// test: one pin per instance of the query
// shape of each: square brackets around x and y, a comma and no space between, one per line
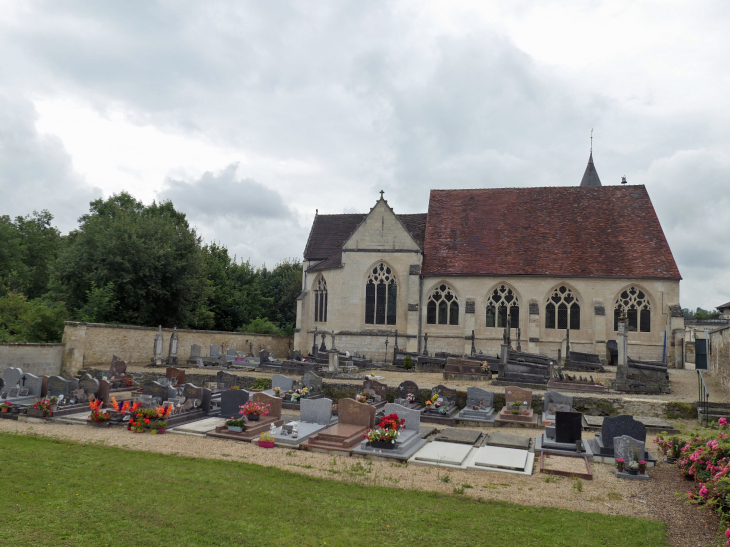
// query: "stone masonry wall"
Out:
[38,359]
[718,360]
[93,344]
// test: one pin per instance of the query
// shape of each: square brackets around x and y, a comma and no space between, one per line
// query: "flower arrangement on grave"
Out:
[675,447]
[238,423]
[642,466]
[361,397]
[485,366]
[387,431]
[252,410]
[158,427]
[411,398]
[514,408]
[149,418]
[525,408]
[299,393]
[277,391]
[233,388]
[267,437]
[407,362]
[126,407]
[45,405]
[128,381]
[662,443]
[632,466]
[96,413]
[620,464]
[5,406]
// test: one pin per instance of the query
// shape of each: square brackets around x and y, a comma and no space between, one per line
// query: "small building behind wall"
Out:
[718,358]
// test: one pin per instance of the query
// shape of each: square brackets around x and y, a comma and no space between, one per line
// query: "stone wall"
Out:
[38,359]
[94,344]
[718,360]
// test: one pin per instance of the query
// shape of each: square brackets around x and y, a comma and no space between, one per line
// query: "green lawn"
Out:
[59,493]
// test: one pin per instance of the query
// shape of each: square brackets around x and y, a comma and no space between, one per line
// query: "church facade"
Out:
[551,259]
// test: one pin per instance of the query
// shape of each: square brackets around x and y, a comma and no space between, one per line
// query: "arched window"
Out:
[562,310]
[638,310]
[502,302]
[381,295]
[320,300]
[442,307]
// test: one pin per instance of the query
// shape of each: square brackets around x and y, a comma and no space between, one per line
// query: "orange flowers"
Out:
[164,412]
[115,404]
[96,405]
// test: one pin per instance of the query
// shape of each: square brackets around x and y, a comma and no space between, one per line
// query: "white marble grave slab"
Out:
[503,460]
[441,454]
[201,427]
[79,418]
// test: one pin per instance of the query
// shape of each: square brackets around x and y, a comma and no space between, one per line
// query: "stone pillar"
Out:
[567,344]
[533,327]
[469,325]
[503,355]
[623,350]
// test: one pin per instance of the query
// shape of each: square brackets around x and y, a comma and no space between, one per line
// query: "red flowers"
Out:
[392,422]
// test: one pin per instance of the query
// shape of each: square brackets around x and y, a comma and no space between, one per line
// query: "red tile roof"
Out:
[609,231]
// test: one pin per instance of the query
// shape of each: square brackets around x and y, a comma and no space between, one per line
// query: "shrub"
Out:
[407,362]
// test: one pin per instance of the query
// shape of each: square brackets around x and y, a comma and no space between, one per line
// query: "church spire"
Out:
[590,177]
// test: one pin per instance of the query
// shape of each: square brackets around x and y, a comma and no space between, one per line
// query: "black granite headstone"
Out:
[616,426]
[568,427]
[231,402]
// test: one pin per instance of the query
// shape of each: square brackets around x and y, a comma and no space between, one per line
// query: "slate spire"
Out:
[590,177]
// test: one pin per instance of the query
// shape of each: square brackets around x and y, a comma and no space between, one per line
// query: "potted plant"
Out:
[675,449]
[253,411]
[158,427]
[387,432]
[97,418]
[148,418]
[5,406]
[632,467]
[620,464]
[642,467]
[277,391]
[361,397]
[514,408]
[236,425]
[334,410]
[663,444]
[43,408]
[266,440]
[411,398]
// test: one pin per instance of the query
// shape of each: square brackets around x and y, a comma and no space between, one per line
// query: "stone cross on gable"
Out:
[381,194]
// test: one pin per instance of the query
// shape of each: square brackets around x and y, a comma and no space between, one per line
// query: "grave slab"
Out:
[201,427]
[460,436]
[508,440]
[440,454]
[500,459]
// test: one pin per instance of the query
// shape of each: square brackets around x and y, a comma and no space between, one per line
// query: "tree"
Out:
[146,261]
[40,244]
[283,285]
[13,271]
[30,321]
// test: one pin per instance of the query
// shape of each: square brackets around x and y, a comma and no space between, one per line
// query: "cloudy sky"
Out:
[249,116]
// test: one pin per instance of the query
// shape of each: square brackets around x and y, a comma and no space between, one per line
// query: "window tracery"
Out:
[442,307]
[381,296]
[637,307]
[502,302]
[562,310]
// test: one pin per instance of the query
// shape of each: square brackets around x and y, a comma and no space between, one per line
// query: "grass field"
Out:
[59,493]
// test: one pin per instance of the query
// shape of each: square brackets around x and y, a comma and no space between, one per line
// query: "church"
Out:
[550,258]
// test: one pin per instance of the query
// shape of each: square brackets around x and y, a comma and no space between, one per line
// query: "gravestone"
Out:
[231,402]
[513,394]
[625,447]
[33,384]
[158,347]
[263,356]
[618,426]
[103,393]
[557,402]
[404,389]
[412,417]
[12,376]
[172,350]
[215,351]
[312,382]
[89,385]
[283,382]
[231,352]
[195,351]
[274,402]
[226,380]
[354,413]
[568,427]
[481,398]
[175,375]
[316,411]
[60,386]
[447,393]
[155,389]
[117,368]
[376,389]
[192,392]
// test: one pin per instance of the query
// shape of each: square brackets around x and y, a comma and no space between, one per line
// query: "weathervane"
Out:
[591,140]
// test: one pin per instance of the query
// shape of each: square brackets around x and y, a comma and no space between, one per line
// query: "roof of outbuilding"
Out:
[608,231]
[723,306]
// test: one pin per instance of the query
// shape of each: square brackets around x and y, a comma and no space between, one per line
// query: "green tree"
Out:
[704,314]
[149,255]
[261,326]
[40,243]
[282,286]
[30,321]
[13,271]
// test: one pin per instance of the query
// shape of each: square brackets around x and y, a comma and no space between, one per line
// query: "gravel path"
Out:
[605,494]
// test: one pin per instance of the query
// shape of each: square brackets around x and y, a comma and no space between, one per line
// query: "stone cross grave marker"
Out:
[412,417]
[175,375]
[316,411]
[557,402]
[476,396]
[625,447]
[352,412]
[407,388]
[284,382]
[616,426]
[312,382]
[376,389]
[568,427]
[226,380]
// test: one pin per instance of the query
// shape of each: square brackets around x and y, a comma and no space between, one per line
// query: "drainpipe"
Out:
[420,311]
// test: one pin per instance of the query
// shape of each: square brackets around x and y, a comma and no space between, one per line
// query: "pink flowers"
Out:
[722,422]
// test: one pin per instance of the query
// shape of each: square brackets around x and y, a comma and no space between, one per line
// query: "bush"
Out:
[407,362]
[30,321]
[261,326]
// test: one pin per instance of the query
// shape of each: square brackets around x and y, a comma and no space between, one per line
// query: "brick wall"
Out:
[94,344]
[38,359]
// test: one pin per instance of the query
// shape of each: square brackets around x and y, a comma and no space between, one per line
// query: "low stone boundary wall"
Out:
[38,359]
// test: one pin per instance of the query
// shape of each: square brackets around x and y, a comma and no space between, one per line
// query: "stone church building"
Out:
[551,258]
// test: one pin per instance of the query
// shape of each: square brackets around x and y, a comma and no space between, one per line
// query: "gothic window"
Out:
[381,295]
[562,310]
[501,303]
[442,307]
[320,300]
[638,310]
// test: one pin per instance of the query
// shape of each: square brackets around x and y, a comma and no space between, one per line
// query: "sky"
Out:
[250,116]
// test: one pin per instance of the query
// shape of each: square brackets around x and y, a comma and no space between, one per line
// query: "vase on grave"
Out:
[382,445]
[253,417]
[235,429]
[266,444]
